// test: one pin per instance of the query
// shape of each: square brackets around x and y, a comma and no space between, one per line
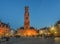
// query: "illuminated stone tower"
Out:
[26,18]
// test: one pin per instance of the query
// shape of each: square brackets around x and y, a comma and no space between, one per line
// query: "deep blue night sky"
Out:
[42,12]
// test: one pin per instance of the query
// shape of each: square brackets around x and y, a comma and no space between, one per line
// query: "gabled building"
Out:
[44,32]
[4,29]
[56,29]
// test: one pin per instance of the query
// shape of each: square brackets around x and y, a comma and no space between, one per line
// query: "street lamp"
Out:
[41,31]
[52,28]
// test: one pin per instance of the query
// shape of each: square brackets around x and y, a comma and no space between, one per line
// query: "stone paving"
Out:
[29,41]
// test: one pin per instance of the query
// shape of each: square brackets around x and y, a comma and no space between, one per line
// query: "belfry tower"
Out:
[26,18]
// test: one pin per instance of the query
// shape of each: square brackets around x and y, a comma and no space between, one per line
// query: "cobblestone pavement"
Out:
[30,41]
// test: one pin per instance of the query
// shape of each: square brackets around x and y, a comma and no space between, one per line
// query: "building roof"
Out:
[23,28]
[58,22]
[4,24]
[45,28]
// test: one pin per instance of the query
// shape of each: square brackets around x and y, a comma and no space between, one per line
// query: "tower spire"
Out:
[27,3]
[26,18]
